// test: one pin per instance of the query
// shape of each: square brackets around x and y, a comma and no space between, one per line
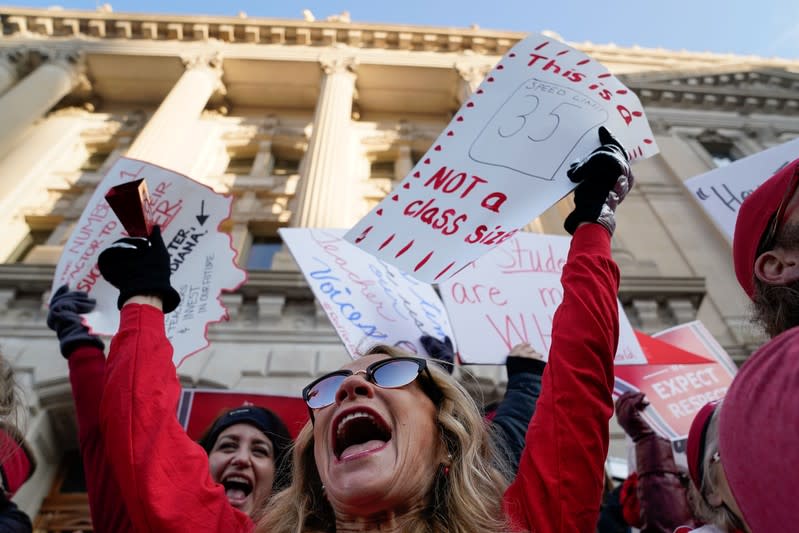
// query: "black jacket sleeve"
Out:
[12,520]
[517,407]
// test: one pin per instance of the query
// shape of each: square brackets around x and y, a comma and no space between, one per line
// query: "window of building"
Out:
[722,151]
[262,252]
[241,165]
[26,247]
[96,158]
[382,169]
[286,165]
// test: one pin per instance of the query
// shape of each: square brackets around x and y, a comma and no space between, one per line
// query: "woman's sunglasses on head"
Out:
[391,373]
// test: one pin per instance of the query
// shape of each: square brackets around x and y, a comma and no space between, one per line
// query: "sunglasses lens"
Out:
[324,392]
[396,373]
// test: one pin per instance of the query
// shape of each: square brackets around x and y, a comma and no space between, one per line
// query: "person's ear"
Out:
[778,266]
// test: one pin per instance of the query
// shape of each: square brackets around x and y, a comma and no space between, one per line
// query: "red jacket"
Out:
[561,473]
[164,476]
[86,369]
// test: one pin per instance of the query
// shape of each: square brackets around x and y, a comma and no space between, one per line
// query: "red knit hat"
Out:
[695,449]
[18,462]
[753,219]
[759,435]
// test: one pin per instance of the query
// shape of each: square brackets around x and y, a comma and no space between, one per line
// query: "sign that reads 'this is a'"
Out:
[502,160]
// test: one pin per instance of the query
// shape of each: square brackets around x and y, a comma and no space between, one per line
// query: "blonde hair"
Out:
[718,515]
[466,500]
[9,406]
[10,394]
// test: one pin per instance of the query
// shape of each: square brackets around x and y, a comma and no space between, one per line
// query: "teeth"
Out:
[237,479]
[352,416]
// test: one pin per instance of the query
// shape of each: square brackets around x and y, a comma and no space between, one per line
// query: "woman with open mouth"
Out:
[247,451]
[246,447]
[394,444]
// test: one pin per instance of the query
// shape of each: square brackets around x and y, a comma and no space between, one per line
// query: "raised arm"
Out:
[662,496]
[84,354]
[162,473]
[525,369]
[559,484]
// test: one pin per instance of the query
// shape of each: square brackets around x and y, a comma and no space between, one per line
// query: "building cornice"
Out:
[742,88]
[44,23]
[103,25]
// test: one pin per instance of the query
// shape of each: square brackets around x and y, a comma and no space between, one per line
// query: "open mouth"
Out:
[359,431]
[237,488]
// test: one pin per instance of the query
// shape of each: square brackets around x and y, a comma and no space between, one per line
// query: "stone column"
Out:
[264,161]
[325,193]
[404,162]
[9,68]
[31,98]
[166,138]
[31,169]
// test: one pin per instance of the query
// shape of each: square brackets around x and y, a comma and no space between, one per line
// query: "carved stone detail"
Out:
[471,74]
[338,64]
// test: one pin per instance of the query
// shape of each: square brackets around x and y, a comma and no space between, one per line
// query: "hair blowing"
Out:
[9,401]
[8,390]
[467,500]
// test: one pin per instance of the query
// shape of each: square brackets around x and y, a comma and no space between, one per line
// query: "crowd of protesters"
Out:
[395,443]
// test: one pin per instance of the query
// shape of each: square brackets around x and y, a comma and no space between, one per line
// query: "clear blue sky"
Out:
[764,27]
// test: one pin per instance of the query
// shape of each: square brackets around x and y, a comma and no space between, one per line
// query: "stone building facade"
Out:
[310,123]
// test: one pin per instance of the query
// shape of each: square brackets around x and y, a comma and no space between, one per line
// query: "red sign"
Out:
[683,374]
[658,351]
[675,392]
[198,408]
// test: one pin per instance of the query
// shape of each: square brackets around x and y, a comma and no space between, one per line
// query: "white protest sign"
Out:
[510,295]
[368,301]
[721,191]
[202,258]
[502,160]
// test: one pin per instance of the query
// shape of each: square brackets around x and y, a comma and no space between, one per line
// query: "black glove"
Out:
[139,266]
[628,413]
[64,318]
[606,179]
[440,351]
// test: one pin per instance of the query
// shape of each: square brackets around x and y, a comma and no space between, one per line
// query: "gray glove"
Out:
[606,179]
[64,318]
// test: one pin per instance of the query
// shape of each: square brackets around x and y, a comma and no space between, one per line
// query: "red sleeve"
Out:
[86,368]
[162,473]
[559,484]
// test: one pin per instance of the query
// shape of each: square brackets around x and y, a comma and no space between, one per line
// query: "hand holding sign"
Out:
[628,412]
[139,266]
[605,179]
[525,351]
